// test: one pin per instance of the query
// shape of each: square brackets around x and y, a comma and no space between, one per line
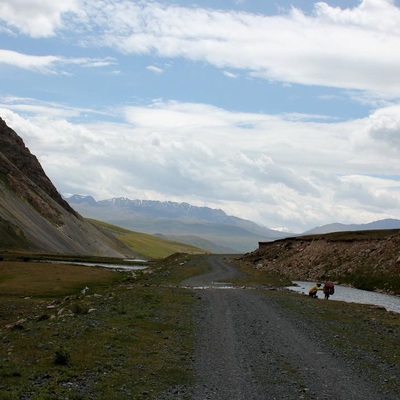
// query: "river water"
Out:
[116,267]
[351,295]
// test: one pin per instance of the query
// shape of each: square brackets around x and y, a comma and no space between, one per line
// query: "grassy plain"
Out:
[48,280]
[131,335]
[148,246]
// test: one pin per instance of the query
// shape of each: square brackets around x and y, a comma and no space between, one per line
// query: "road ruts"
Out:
[247,348]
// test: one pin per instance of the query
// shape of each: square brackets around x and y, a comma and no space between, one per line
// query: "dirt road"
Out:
[248,347]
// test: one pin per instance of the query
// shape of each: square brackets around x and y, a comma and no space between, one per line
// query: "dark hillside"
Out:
[33,215]
[26,164]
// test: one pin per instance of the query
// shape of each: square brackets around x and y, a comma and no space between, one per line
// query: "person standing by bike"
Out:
[329,289]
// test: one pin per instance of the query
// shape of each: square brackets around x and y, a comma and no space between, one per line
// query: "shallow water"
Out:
[351,295]
[117,267]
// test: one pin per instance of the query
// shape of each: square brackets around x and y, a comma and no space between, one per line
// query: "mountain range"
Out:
[383,224]
[210,229]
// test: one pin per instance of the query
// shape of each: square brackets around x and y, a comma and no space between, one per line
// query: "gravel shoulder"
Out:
[249,347]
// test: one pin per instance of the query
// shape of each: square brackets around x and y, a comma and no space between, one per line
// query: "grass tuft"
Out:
[62,357]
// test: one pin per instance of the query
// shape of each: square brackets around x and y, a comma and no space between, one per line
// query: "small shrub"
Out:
[121,309]
[62,357]
[43,317]
[79,308]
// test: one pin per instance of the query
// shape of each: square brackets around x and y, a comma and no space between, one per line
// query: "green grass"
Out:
[135,343]
[255,277]
[132,337]
[364,278]
[44,279]
[135,354]
[148,246]
[178,267]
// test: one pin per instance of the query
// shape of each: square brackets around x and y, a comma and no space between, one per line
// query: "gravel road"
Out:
[248,347]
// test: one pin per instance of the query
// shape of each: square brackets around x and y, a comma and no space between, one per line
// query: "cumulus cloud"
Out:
[384,128]
[351,48]
[376,15]
[36,18]
[295,173]
[293,169]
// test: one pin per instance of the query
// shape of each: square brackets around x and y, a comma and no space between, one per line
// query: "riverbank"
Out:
[352,295]
[138,335]
[368,260]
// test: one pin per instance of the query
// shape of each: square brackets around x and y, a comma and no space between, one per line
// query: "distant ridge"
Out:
[211,228]
[383,224]
[155,208]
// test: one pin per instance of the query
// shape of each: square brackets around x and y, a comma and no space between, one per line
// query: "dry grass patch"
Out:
[45,279]
[26,287]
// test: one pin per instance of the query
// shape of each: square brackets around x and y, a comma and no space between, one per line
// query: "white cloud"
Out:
[294,169]
[384,128]
[155,69]
[279,172]
[32,107]
[36,63]
[352,48]
[230,74]
[36,18]
[377,15]
[49,64]
[91,62]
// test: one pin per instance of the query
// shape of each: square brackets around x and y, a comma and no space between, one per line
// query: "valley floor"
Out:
[195,327]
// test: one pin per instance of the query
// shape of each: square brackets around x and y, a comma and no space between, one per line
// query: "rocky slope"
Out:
[34,216]
[364,259]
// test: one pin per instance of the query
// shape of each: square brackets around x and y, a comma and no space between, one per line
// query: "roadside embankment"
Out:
[367,260]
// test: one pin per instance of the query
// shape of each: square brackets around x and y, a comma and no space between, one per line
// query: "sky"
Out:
[286,113]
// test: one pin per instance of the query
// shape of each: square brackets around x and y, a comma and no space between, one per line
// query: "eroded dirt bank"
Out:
[367,260]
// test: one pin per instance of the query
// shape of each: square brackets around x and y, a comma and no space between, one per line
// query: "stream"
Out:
[116,267]
[352,295]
